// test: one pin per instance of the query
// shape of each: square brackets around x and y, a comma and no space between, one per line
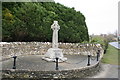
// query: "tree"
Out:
[31,21]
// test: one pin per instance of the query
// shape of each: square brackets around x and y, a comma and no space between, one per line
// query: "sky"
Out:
[101,15]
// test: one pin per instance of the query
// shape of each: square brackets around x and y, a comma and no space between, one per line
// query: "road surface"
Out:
[108,71]
[115,44]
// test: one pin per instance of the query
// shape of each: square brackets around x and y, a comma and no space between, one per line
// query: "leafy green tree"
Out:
[32,21]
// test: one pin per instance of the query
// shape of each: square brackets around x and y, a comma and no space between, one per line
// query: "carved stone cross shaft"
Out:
[55,27]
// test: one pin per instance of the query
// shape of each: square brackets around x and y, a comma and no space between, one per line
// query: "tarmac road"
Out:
[108,71]
[115,44]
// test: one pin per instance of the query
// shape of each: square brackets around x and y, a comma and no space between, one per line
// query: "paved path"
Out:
[35,62]
[108,71]
[115,44]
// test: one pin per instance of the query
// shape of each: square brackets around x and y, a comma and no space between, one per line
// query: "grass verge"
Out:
[111,56]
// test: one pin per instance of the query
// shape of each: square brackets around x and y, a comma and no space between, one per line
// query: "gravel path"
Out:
[35,62]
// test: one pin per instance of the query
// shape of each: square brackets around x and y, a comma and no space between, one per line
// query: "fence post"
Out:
[98,55]
[88,60]
[14,64]
[57,63]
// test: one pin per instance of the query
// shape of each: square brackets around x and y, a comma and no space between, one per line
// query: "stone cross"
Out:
[54,52]
[55,27]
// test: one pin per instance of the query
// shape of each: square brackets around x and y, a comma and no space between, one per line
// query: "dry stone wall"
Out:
[40,48]
[60,74]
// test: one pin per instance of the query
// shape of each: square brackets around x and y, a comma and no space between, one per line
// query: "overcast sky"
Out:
[101,15]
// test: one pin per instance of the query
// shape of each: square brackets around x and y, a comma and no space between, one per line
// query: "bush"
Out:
[100,40]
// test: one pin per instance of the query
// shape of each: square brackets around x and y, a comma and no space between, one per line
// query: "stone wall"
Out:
[22,48]
[74,73]
[40,48]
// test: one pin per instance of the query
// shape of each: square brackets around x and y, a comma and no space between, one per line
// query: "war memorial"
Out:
[50,59]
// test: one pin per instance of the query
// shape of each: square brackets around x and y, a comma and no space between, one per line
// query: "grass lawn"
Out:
[111,56]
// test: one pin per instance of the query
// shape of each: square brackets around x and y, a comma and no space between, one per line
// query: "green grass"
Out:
[111,56]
